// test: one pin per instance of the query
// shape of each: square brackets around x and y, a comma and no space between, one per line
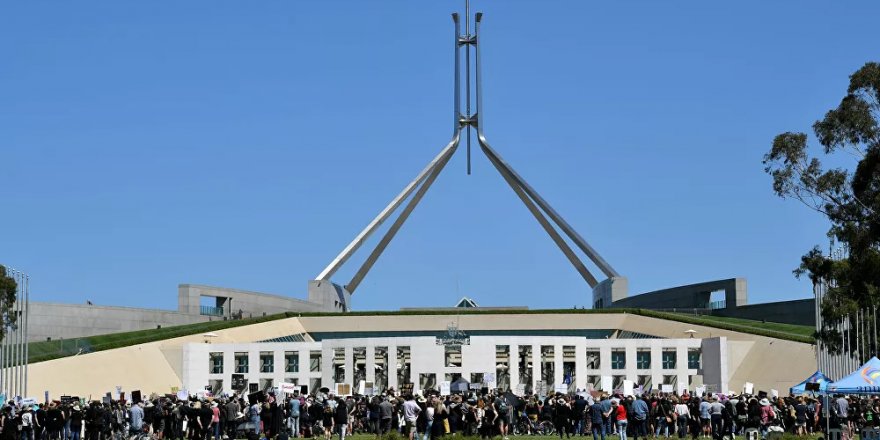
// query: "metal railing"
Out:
[211,311]
[716,305]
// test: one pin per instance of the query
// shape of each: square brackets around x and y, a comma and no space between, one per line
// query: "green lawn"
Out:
[46,350]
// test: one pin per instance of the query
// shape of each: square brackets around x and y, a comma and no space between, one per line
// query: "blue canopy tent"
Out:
[865,380]
[817,377]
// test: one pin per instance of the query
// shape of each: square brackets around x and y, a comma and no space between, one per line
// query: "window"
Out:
[427,381]
[593,360]
[453,355]
[267,362]
[241,362]
[216,363]
[668,359]
[595,382]
[694,356]
[265,384]
[646,381]
[643,359]
[476,377]
[314,364]
[291,362]
[617,382]
[215,386]
[618,359]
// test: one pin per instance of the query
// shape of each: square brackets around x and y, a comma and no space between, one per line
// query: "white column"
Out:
[580,365]
[371,363]
[327,354]
[536,365]
[392,367]
[349,367]
[513,365]
[557,364]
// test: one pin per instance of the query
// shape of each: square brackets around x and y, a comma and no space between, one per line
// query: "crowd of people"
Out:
[430,415]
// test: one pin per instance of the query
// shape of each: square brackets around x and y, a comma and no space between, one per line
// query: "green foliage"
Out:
[849,198]
[8,288]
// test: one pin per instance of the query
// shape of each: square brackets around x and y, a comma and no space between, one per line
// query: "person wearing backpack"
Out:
[502,408]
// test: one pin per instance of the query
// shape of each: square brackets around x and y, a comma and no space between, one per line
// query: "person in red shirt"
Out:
[621,418]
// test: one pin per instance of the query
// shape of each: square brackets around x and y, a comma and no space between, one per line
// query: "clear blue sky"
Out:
[243,144]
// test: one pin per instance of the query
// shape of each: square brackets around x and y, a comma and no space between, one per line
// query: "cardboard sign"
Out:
[666,388]
[118,393]
[369,389]
[136,397]
[628,387]
[774,393]
[607,384]
[406,389]
[561,389]
[748,388]
[700,391]
[183,395]
[343,389]
[239,382]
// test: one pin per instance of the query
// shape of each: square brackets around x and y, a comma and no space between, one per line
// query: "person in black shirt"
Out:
[340,418]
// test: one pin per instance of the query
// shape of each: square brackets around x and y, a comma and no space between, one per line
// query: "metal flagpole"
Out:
[27,313]
[3,355]
[17,366]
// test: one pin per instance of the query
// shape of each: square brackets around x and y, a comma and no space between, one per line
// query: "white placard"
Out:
[748,388]
[362,387]
[445,388]
[666,388]
[520,389]
[700,391]
[287,388]
[183,395]
[561,389]
[489,380]
[628,387]
[369,389]
[607,384]
[774,393]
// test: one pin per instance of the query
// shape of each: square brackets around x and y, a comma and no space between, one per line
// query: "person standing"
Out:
[716,415]
[620,415]
[597,419]
[340,418]
[386,412]
[411,412]
[640,418]
[293,420]
[682,418]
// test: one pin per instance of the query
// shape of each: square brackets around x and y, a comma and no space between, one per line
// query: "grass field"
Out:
[46,350]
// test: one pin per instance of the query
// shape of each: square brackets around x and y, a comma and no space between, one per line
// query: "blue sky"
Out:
[243,144]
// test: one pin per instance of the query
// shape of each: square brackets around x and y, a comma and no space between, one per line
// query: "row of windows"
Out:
[267,362]
[291,360]
[668,360]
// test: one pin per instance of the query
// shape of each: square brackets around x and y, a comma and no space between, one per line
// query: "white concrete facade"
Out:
[480,357]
